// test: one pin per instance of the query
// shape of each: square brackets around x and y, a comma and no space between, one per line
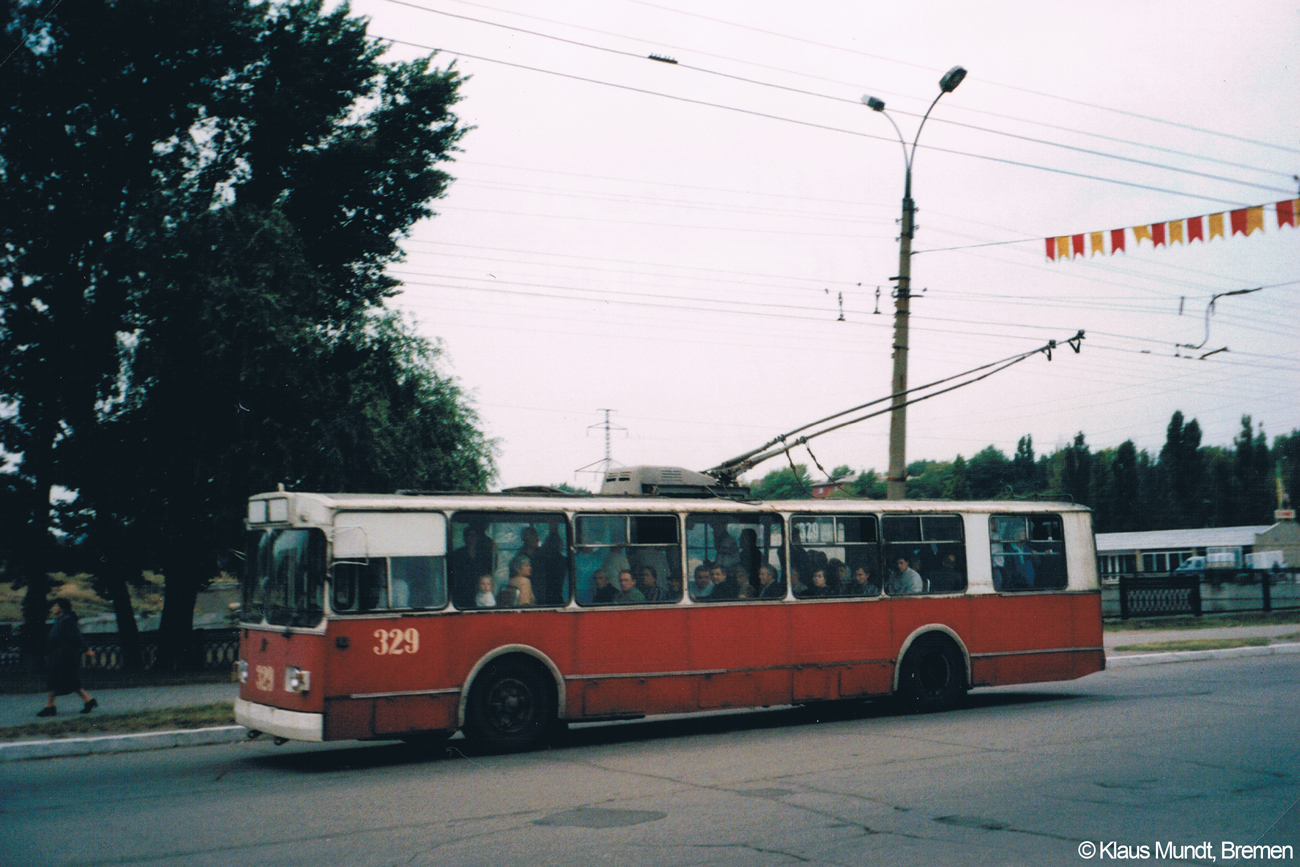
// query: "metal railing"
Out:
[211,649]
[1211,591]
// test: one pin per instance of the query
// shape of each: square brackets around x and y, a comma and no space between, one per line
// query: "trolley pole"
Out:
[896,481]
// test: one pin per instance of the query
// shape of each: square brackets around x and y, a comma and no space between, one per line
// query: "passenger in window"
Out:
[744,587]
[674,587]
[750,557]
[485,598]
[628,593]
[615,561]
[799,559]
[945,578]
[728,547]
[518,591]
[837,575]
[702,586]
[769,585]
[860,584]
[554,558]
[474,557]
[606,593]
[905,580]
[650,588]
[725,585]
[817,587]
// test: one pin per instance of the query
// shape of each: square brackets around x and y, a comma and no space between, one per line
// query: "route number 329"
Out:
[394,642]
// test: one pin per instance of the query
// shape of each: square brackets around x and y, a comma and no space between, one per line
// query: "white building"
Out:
[1164,550]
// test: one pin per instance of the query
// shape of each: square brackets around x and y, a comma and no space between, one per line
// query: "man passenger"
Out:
[769,587]
[905,580]
[628,593]
[702,586]
[605,594]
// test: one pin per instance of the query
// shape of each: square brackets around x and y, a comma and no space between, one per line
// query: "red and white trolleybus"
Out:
[406,616]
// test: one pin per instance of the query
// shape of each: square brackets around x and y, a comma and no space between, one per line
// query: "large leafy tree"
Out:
[206,197]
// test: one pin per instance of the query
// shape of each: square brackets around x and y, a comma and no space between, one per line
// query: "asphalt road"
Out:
[1199,752]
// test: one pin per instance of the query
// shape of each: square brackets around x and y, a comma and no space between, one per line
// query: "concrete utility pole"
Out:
[896,481]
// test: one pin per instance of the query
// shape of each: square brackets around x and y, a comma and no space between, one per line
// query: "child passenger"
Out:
[485,599]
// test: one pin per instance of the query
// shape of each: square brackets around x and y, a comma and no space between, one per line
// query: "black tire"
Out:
[511,707]
[932,677]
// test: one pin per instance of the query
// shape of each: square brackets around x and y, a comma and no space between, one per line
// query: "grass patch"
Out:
[1209,621]
[1194,644]
[76,725]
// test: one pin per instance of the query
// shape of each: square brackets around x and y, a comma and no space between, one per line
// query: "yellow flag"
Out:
[1096,244]
[1175,231]
[1063,247]
[1140,232]
[1216,225]
[1254,219]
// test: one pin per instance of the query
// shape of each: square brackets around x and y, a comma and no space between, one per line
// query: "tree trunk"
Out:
[128,631]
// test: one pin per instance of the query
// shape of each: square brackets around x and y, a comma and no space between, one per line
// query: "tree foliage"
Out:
[1186,485]
[201,200]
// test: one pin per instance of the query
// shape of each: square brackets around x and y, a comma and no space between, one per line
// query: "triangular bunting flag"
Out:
[1286,213]
[1216,226]
[1096,244]
[1140,232]
[1157,234]
[1195,229]
[1175,231]
[1116,241]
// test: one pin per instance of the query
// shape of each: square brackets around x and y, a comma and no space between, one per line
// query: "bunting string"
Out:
[1204,228]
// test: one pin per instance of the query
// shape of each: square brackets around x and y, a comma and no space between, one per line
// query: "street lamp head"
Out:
[872,103]
[951,79]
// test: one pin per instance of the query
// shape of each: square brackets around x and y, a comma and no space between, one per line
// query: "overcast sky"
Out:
[672,242]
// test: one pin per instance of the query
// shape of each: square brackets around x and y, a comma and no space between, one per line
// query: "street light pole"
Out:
[896,481]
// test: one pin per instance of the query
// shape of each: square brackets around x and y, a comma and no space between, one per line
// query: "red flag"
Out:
[1239,221]
[1157,234]
[1286,213]
[1116,240]
[1195,229]
[1051,248]
[1077,247]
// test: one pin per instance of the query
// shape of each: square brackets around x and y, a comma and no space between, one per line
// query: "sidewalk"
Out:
[21,709]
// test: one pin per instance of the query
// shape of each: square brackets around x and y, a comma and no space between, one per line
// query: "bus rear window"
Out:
[1028,552]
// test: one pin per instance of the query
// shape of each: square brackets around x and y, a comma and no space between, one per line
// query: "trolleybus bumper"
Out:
[277,722]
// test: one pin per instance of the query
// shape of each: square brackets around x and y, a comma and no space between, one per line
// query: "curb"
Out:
[1136,659]
[22,750]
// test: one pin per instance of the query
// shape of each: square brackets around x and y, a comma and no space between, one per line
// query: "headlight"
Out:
[296,679]
[243,670]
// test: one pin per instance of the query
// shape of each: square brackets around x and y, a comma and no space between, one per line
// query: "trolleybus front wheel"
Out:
[510,707]
[933,676]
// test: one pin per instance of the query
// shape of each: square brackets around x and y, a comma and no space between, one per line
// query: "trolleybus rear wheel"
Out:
[510,707]
[933,676]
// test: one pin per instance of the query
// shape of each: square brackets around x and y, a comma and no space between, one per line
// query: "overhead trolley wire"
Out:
[636,56]
[812,124]
[1043,94]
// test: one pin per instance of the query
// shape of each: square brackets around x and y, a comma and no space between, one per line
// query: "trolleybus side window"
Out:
[923,554]
[509,559]
[1028,552]
[733,547]
[844,550]
[646,546]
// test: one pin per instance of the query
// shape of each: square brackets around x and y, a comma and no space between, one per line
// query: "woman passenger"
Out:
[818,586]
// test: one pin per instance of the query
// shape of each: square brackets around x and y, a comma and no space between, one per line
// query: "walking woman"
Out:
[63,663]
